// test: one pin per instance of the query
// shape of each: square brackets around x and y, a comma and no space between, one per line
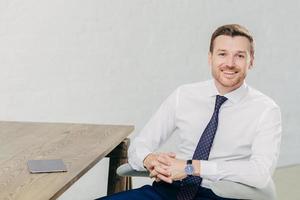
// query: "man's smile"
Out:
[229,73]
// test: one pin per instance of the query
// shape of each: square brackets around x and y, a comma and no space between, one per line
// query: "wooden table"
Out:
[80,146]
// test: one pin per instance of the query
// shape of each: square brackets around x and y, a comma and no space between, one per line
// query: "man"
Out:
[227,130]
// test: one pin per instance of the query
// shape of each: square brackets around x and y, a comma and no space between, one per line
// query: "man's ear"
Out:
[251,62]
[209,59]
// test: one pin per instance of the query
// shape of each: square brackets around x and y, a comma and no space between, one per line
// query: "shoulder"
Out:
[192,92]
[195,87]
[261,99]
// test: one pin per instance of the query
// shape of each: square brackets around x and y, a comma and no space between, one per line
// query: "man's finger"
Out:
[163,159]
[165,179]
[150,161]
[171,154]
[153,173]
[162,170]
[157,179]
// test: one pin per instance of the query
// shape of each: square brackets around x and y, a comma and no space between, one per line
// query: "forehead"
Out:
[236,43]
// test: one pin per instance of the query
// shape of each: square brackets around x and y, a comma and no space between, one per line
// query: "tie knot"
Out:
[219,101]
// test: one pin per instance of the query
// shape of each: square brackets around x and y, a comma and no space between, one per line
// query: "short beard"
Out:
[230,83]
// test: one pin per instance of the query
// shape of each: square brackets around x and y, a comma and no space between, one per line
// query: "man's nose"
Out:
[230,61]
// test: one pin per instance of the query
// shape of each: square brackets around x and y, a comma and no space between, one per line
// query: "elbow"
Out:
[261,180]
[262,174]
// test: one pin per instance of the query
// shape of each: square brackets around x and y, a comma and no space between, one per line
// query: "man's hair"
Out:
[232,30]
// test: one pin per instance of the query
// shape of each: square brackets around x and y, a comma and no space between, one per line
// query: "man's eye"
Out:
[221,54]
[241,56]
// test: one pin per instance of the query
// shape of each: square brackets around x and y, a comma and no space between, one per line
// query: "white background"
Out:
[114,62]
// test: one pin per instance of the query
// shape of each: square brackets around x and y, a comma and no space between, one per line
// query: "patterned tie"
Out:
[191,184]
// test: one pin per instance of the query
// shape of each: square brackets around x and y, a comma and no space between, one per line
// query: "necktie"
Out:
[191,184]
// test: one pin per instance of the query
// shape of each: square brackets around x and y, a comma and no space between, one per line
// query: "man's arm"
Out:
[156,131]
[258,170]
[255,172]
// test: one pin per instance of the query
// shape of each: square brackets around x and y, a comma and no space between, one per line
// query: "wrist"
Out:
[192,168]
[189,168]
[147,159]
[197,167]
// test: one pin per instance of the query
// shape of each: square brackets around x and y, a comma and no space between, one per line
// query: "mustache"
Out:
[230,68]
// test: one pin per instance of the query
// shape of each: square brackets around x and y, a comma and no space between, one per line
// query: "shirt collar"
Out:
[233,96]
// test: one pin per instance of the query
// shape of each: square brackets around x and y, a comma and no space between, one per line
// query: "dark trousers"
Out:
[160,191]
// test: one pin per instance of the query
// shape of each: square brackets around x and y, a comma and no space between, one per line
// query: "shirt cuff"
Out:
[137,161]
[209,170]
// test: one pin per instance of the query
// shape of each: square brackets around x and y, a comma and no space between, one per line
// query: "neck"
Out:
[224,89]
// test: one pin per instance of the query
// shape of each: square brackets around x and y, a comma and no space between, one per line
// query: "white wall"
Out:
[114,61]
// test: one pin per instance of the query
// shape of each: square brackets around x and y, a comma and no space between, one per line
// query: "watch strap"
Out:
[189,162]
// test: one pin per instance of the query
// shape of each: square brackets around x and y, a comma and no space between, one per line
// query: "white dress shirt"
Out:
[246,144]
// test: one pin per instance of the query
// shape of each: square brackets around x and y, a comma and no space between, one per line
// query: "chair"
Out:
[221,188]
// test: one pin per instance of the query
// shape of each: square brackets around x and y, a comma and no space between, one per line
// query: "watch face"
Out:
[189,169]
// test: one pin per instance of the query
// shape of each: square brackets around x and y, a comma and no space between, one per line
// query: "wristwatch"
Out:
[189,169]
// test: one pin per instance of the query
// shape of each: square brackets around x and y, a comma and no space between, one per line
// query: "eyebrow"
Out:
[245,52]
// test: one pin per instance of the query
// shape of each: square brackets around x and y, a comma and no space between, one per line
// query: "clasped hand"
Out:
[165,167]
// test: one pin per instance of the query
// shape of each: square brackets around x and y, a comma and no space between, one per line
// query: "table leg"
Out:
[118,156]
